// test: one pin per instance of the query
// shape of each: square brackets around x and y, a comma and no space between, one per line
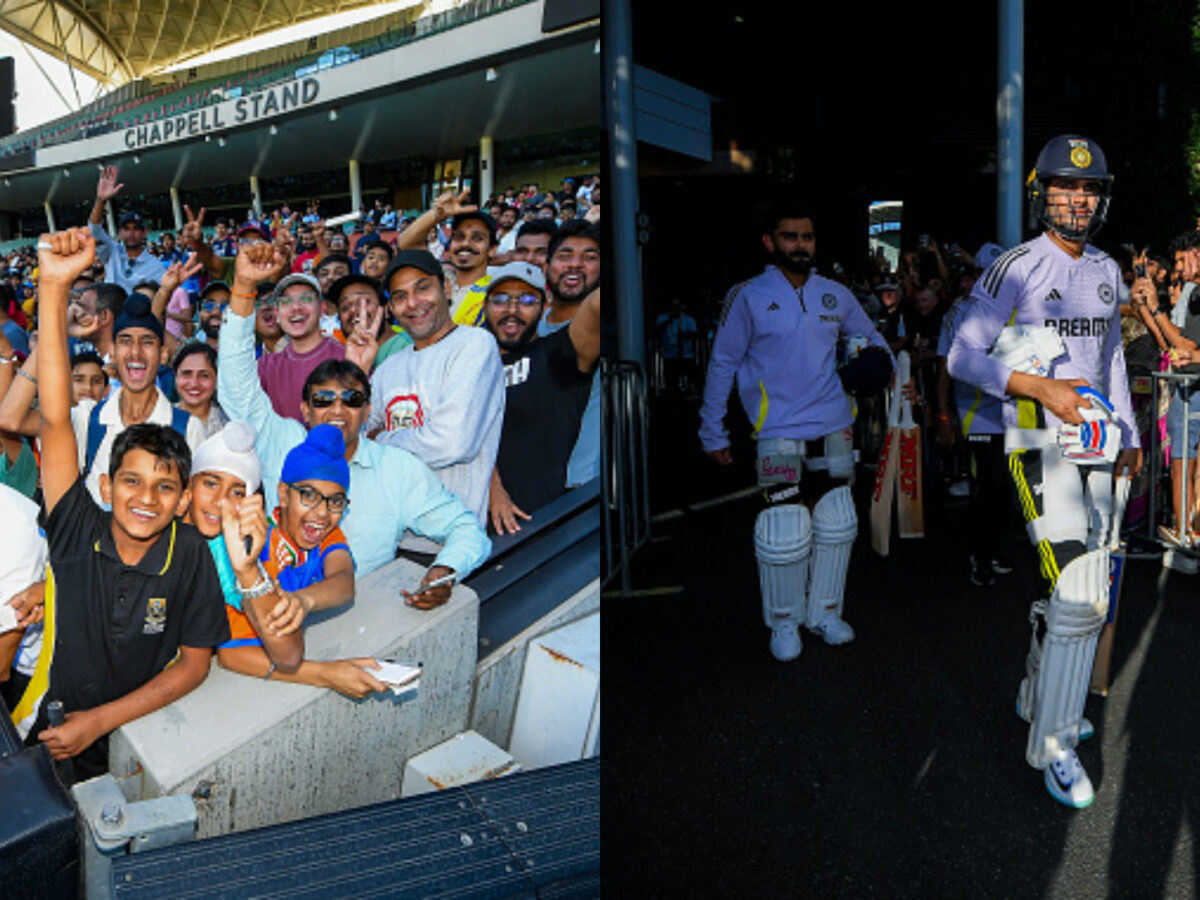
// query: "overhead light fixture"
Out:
[66,173]
[274,129]
[491,73]
[7,183]
[596,48]
[220,142]
[137,159]
[333,115]
[207,138]
[100,166]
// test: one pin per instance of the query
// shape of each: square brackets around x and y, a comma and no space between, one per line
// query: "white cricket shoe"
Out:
[834,630]
[1067,782]
[785,641]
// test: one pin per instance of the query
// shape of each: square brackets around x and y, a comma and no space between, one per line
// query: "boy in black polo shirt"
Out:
[133,606]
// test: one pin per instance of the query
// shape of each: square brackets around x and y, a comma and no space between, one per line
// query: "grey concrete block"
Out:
[498,677]
[254,752]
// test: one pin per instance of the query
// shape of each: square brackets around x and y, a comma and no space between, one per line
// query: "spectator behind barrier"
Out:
[297,302]
[304,561]
[357,297]
[195,368]
[22,587]
[126,262]
[442,399]
[18,466]
[391,492]
[472,239]
[572,274]
[548,382]
[168,596]
[533,243]
[89,381]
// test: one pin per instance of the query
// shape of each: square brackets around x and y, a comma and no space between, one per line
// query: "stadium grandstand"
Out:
[470,766]
[380,109]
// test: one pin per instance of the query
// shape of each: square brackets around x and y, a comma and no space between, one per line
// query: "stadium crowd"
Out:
[208,436]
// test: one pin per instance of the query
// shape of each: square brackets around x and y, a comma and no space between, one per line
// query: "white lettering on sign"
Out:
[260,105]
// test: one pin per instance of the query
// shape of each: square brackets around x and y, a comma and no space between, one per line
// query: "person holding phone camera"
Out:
[391,492]
[1178,334]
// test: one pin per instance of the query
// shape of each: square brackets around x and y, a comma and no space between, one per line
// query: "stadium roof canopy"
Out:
[117,41]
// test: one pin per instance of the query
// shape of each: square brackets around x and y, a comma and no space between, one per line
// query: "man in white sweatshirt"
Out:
[442,398]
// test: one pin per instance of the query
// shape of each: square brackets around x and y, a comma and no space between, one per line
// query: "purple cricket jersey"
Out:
[780,343]
[1038,283]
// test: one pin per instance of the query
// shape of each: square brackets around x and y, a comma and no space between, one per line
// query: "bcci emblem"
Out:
[1105,291]
[829,301]
[156,615]
[1081,157]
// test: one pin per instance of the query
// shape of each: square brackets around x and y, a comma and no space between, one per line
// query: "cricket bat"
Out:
[910,507]
[885,478]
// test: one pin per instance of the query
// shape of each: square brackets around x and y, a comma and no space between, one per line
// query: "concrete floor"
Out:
[890,767]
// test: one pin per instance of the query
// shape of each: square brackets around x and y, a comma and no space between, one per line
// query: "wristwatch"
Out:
[260,588]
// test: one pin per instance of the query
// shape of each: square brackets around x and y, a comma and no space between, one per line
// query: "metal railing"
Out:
[531,572]
[623,468]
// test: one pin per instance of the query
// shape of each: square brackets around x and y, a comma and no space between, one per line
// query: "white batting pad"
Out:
[834,526]
[1074,617]
[783,543]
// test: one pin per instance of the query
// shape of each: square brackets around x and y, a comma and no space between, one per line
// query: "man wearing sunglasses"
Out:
[126,262]
[391,492]
[548,382]
[297,301]
[213,301]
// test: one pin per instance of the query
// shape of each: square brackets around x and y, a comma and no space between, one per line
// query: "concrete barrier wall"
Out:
[254,752]
[498,677]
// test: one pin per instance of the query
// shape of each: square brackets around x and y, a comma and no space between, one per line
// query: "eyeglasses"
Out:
[310,498]
[211,305]
[306,299]
[526,300]
[325,398]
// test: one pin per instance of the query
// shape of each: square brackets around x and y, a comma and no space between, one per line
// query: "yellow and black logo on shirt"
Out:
[156,615]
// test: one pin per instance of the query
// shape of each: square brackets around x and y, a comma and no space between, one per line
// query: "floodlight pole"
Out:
[1010,112]
[622,207]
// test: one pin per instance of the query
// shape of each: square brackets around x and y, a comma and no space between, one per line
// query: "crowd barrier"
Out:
[624,468]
